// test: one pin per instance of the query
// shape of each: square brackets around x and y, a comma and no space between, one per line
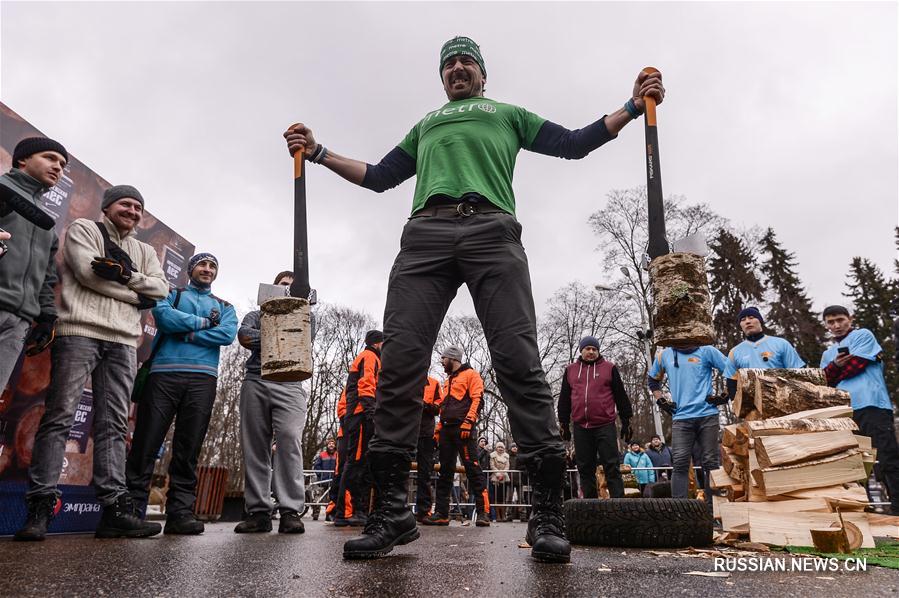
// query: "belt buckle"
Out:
[464,209]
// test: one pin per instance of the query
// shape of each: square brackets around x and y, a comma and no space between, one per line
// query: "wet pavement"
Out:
[453,561]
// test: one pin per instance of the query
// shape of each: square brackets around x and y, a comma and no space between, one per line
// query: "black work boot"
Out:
[392,522]
[120,520]
[255,523]
[291,523]
[483,519]
[184,524]
[546,527]
[40,514]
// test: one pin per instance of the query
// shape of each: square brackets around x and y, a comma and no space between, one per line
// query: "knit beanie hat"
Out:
[588,341]
[454,352]
[117,192]
[751,311]
[461,46]
[196,259]
[373,336]
[32,145]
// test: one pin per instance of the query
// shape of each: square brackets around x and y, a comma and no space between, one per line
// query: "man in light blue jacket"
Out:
[193,325]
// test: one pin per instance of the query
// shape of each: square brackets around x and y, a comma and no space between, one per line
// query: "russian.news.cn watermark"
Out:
[789,564]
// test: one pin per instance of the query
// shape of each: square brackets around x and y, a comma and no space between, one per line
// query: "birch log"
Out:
[682,308]
[286,339]
[747,397]
[776,396]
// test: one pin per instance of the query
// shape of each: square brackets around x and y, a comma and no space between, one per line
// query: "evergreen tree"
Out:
[871,295]
[734,283]
[790,314]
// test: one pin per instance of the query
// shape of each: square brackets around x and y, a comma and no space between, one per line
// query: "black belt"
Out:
[462,209]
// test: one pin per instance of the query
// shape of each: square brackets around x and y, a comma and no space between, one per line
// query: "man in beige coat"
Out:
[109,277]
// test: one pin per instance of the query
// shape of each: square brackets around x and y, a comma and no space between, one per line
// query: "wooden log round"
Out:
[681,305]
[831,541]
[286,339]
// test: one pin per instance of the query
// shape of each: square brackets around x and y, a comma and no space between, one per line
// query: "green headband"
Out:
[461,46]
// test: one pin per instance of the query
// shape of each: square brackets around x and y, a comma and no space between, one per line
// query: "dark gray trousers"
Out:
[13,330]
[878,424]
[186,398]
[601,442]
[111,368]
[437,255]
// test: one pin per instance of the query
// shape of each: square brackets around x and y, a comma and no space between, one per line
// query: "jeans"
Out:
[437,255]
[602,442]
[111,367]
[189,396]
[683,434]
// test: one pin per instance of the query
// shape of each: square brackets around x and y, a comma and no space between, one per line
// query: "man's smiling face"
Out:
[462,78]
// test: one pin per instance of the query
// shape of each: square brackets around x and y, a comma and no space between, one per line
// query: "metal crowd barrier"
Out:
[513,494]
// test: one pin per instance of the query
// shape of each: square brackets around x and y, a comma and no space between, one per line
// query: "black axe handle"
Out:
[300,286]
[658,242]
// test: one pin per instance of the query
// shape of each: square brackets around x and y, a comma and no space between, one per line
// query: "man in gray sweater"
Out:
[27,268]
[270,412]
[109,276]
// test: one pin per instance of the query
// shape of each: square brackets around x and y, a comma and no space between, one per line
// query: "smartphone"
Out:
[843,350]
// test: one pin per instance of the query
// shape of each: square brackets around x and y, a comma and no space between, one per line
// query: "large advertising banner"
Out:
[77,195]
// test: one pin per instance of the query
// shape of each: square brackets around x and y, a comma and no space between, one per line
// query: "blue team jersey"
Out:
[867,389]
[691,381]
[767,352]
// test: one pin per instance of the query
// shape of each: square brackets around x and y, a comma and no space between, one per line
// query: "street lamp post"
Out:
[644,335]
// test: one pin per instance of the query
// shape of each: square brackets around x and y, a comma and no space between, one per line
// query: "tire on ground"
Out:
[639,523]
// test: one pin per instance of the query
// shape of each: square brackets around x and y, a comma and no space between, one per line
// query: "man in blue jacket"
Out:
[757,351]
[854,363]
[693,412]
[193,325]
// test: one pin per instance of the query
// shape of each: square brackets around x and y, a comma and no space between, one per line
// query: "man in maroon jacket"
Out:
[592,393]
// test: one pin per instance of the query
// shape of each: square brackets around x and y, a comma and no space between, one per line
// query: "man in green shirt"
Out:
[463,230]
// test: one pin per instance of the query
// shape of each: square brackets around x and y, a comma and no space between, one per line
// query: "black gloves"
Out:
[10,201]
[666,405]
[717,400]
[565,431]
[626,431]
[41,335]
[109,269]
[215,318]
[145,302]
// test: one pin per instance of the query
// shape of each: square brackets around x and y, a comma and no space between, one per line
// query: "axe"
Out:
[300,286]
[658,243]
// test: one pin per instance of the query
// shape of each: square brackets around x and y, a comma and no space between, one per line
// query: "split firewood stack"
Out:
[788,472]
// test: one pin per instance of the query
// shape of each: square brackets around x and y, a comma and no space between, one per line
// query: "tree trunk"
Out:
[747,399]
[286,338]
[682,308]
[776,396]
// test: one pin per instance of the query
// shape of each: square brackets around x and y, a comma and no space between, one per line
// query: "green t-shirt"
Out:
[470,146]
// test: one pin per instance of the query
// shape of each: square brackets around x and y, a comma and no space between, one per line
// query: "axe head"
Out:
[271,291]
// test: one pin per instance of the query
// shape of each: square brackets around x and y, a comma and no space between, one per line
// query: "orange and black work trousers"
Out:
[334,490]
[437,255]
[355,479]
[452,445]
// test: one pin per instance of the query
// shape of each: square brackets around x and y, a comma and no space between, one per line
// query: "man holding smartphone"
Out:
[27,267]
[854,363]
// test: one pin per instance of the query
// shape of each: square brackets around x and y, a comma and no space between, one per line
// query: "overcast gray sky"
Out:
[777,114]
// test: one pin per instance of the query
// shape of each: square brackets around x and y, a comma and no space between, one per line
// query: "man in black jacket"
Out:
[592,393]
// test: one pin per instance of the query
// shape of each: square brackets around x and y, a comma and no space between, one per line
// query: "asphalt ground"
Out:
[447,561]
